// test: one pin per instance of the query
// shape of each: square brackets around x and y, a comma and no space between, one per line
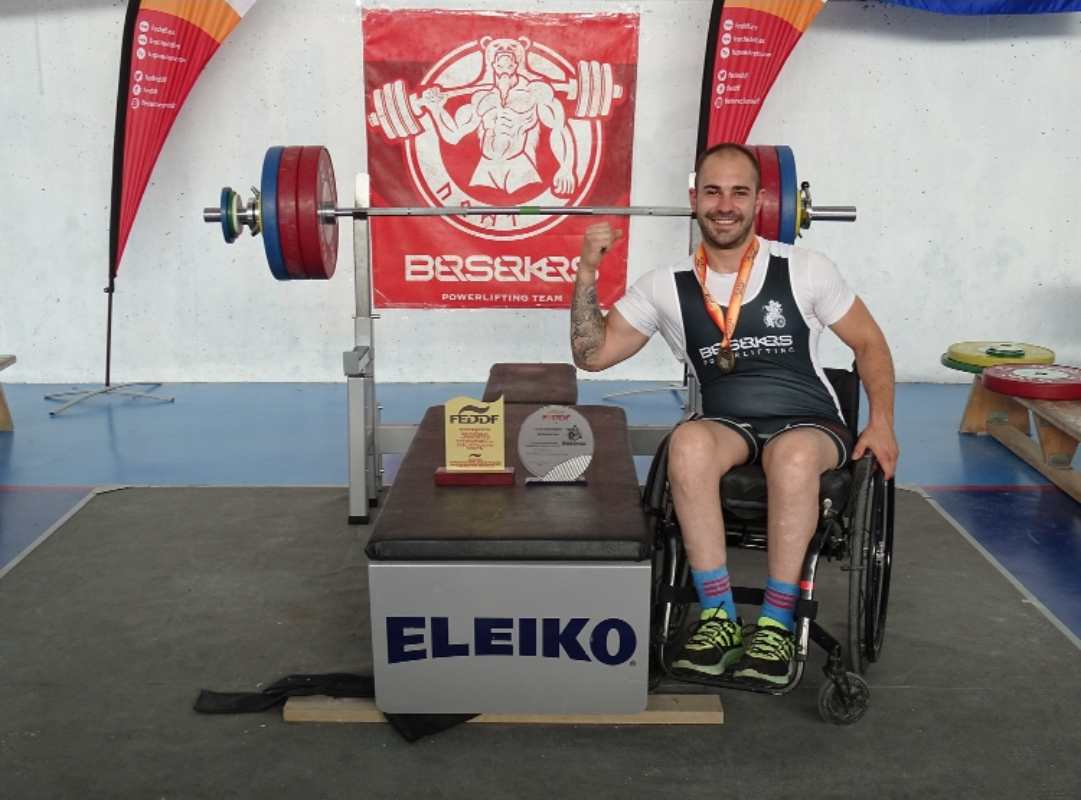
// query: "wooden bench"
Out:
[1058,430]
[6,423]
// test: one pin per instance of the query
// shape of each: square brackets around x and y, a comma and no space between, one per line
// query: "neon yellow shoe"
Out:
[770,655]
[715,645]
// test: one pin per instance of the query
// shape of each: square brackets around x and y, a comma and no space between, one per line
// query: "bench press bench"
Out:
[512,599]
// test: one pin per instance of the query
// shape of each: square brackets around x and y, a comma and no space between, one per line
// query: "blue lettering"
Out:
[598,641]
[441,645]
[397,639]
[527,637]
[565,639]
[492,636]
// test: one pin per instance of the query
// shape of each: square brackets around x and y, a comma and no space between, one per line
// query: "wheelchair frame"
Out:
[859,534]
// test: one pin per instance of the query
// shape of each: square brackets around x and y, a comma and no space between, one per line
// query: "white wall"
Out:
[958,138]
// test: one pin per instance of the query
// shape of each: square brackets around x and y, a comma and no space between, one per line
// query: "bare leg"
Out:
[699,454]
[794,462]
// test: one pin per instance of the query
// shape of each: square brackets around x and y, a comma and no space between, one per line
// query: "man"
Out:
[746,315]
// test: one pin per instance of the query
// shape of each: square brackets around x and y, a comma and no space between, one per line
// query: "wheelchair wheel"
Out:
[869,566]
[844,704]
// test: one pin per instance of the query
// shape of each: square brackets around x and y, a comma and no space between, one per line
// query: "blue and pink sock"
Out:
[780,604]
[715,590]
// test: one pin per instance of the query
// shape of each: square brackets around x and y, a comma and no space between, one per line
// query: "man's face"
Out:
[725,202]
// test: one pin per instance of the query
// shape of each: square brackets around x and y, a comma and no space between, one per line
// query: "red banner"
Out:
[496,109]
[749,42]
[168,42]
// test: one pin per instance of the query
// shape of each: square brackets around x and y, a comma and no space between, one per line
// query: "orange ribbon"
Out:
[726,321]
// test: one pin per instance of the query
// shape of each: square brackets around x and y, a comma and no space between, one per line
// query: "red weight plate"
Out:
[316,188]
[1035,381]
[768,221]
[288,233]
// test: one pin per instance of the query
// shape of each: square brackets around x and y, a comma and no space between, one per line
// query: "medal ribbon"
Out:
[726,322]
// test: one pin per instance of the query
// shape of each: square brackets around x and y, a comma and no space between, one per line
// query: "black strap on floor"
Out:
[333,684]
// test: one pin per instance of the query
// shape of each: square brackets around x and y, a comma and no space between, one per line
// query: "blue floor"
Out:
[295,435]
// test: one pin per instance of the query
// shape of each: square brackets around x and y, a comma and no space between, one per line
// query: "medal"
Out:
[726,360]
[725,319]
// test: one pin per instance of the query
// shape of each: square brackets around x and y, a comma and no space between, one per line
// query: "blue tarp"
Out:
[991,6]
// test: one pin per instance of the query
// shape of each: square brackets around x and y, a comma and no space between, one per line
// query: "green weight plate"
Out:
[960,366]
[230,206]
[988,354]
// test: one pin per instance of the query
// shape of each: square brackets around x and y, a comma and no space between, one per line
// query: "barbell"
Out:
[396,112]
[295,208]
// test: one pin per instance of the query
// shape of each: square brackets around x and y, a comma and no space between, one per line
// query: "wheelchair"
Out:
[855,527]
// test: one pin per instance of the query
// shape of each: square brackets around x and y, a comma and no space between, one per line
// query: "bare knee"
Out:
[696,454]
[793,461]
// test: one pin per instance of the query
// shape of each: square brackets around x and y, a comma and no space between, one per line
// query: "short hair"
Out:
[730,147]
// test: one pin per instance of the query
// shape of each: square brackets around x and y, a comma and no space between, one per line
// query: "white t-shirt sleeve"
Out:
[639,307]
[832,297]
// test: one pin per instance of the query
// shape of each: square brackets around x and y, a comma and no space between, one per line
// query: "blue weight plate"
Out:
[268,196]
[789,192]
[226,226]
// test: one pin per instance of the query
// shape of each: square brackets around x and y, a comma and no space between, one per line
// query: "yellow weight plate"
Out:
[988,354]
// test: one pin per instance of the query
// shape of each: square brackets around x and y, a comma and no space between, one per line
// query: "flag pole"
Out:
[72,398]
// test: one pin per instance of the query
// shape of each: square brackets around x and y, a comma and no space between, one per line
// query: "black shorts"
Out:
[758,432]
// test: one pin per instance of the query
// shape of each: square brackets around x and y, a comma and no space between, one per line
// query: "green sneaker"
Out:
[769,657]
[715,645]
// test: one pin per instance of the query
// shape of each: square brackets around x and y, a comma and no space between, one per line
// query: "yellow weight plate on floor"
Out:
[988,354]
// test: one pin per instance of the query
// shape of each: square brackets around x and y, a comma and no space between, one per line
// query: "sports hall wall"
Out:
[957,138]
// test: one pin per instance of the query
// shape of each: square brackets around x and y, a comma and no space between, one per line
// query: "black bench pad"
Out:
[602,521]
[546,384]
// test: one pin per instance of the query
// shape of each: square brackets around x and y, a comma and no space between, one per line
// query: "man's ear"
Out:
[759,201]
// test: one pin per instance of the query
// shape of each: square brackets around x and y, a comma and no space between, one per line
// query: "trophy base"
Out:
[495,477]
[542,482]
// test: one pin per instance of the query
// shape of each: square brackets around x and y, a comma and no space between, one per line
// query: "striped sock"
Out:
[780,604]
[715,590]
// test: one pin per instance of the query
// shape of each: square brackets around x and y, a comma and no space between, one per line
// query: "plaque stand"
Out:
[495,477]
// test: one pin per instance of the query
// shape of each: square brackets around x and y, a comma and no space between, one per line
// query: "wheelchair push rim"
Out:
[869,568]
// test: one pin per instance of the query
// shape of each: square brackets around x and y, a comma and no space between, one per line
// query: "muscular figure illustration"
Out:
[507,111]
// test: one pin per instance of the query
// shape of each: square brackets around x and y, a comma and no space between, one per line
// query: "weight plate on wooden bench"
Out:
[958,365]
[988,354]
[1035,381]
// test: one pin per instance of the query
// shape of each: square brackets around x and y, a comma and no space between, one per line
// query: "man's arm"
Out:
[858,329]
[598,341]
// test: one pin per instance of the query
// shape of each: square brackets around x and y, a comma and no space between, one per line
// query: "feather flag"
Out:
[166,45]
[991,6]
[748,43]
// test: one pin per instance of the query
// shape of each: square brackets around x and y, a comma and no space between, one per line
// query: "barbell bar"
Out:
[297,197]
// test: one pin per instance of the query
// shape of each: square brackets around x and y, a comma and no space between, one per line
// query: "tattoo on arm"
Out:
[587,324]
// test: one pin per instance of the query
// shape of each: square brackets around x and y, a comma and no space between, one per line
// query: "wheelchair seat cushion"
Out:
[743,489]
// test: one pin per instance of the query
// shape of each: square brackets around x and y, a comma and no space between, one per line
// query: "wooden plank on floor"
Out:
[662,709]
